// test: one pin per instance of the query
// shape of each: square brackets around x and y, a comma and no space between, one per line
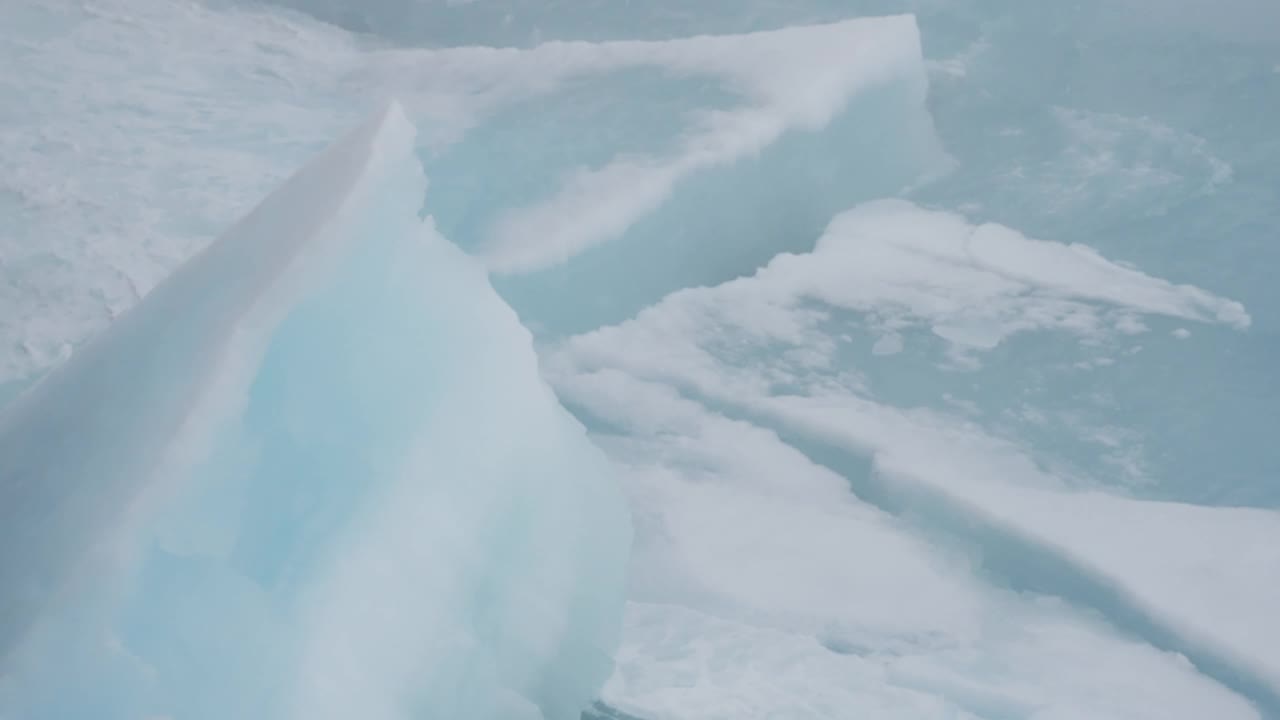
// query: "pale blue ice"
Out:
[929,347]
[315,474]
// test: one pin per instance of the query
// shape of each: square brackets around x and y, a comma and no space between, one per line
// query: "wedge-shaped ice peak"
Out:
[315,474]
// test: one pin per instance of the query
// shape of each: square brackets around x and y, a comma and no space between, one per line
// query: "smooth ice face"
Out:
[316,475]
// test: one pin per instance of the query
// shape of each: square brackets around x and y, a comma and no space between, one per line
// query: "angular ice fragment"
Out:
[314,474]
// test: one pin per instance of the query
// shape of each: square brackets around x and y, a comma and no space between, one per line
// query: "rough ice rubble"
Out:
[314,474]
[766,350]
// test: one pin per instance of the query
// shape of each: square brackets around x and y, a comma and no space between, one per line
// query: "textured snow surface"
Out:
[933,345]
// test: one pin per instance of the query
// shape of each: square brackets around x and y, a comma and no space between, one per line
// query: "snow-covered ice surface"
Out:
[933,343]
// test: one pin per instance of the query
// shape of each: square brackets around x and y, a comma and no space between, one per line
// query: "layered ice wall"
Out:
[316,475]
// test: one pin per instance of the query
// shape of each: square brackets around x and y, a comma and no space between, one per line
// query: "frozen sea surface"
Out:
[934,344]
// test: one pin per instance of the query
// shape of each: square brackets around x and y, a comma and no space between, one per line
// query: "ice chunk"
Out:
[714,158]
[117,171]
[768,349]
[902,267]
[314,474]
[599,204]
[843,610]
[976,285]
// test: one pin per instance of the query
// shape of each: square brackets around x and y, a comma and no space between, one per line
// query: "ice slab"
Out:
[772,350]
[315,473]
[714,157]
[763,588]
[598,204]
